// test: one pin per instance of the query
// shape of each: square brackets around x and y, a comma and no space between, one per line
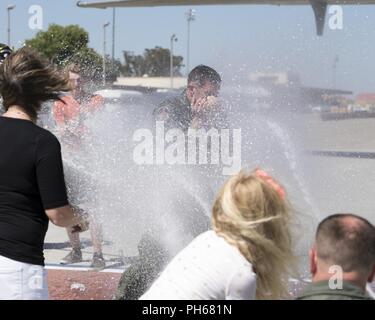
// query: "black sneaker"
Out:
[73,256]
[98,261]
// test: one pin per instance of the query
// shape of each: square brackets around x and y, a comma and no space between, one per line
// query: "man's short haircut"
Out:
[346,240]
[203,73]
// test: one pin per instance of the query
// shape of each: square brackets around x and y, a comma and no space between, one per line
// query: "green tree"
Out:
[59,43]
[89,61]
[134,65]
[63,45]
[154,62]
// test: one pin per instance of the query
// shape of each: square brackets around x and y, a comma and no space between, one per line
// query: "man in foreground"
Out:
[342,260]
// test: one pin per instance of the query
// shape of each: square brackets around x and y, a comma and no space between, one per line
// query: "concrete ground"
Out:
[79,281]
[57,246]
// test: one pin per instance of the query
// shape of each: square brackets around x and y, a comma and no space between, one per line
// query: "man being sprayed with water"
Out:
[69,115]
[197,107]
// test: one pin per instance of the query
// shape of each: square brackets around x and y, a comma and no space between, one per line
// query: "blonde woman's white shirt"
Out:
[209,268]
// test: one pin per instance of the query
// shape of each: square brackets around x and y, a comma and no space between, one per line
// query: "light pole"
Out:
[113,33]
[173,39]
[104,51]
[10,7]
[190,15]
[334,70]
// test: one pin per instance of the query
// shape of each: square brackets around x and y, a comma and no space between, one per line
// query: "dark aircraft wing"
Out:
[319,6]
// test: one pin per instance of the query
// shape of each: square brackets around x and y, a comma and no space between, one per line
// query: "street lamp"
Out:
[190,15]
[113,33]
[334,71]
[173,39]
[104,52]
[10,7]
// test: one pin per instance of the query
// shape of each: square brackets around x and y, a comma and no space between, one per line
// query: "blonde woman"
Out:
[248,254]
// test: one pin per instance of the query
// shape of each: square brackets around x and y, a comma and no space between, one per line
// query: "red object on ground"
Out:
[82,285]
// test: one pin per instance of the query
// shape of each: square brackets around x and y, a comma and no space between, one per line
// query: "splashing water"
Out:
[130,199]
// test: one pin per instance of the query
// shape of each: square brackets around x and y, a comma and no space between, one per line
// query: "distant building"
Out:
[263,90]
[287,92]
[151,82]
[275,78]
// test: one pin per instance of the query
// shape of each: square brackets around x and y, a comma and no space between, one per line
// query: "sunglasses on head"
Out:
[3,56]
[5,51]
